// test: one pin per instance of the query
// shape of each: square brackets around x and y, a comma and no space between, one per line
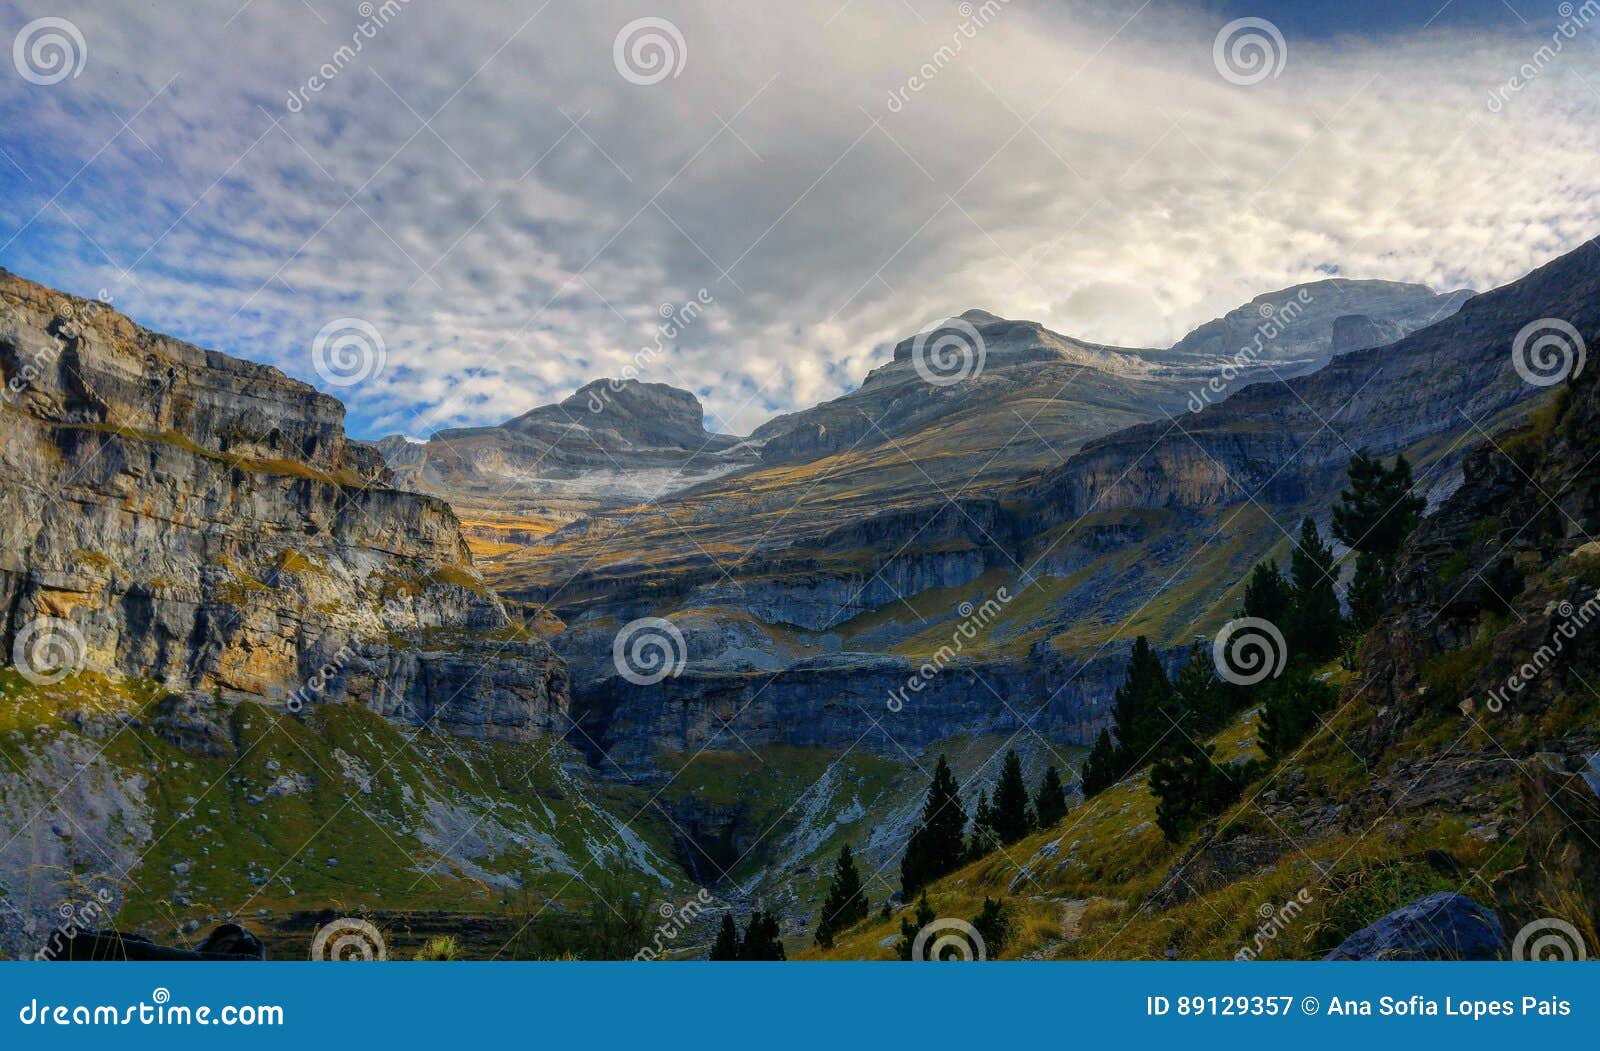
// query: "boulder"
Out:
[1442,926]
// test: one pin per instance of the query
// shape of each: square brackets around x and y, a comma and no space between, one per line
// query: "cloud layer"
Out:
[514,214]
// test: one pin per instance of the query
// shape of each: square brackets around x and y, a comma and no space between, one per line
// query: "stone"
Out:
[1441,926]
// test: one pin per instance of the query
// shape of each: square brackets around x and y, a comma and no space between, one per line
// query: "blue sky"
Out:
[490,203]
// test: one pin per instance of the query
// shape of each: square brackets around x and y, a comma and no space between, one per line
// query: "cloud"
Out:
[513,214]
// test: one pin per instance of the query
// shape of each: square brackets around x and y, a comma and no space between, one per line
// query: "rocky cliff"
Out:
[174,514]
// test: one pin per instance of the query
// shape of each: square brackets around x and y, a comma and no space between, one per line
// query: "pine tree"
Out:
[1315,622]
[846,904]
[1100,770]
[1050,805]
[1289,716]
[1267,596]
[761,940]
[1374,515]
[908,928]
[1012,818]
[726,947]
[937,846]
[985,838]
[993,925]
[1143,708]
[1189,787]
[1205,700]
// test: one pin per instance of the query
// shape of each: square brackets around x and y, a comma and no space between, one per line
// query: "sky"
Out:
[448,214]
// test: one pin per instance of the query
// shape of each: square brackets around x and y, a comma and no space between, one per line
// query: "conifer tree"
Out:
[1294,701]
[1374,515]
[1100,770]
[1012,818]
[761,941]
[985,839]
[1189,787]
[1203,698]
[1267,596]
[924,915]
[1142,709]
[1315,623]
[846,904]
[1050,805]
[726,947]
[936,846]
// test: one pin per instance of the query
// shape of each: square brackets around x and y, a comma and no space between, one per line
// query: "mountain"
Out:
[610,445]
[1316,321]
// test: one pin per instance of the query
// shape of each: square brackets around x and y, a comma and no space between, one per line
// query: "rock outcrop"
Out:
[174,514]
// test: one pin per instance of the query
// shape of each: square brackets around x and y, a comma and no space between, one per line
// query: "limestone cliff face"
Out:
[205,522]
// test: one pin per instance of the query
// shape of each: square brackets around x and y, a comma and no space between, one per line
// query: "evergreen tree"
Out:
[726,947]
[1189,787]
[1315,622]
[1374,515]
[908,928]
[1204,698]
[1143,708]
[985,838]
[1267,596]
[846,904]
[1012,818]
[1050,805]
[936,846]
[1100,770]
[761,940]
[993,925]
[1289,716]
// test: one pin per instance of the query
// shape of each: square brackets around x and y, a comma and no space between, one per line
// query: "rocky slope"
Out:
[173,514]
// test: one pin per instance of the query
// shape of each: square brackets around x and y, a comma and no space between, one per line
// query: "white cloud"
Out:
[508,255]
